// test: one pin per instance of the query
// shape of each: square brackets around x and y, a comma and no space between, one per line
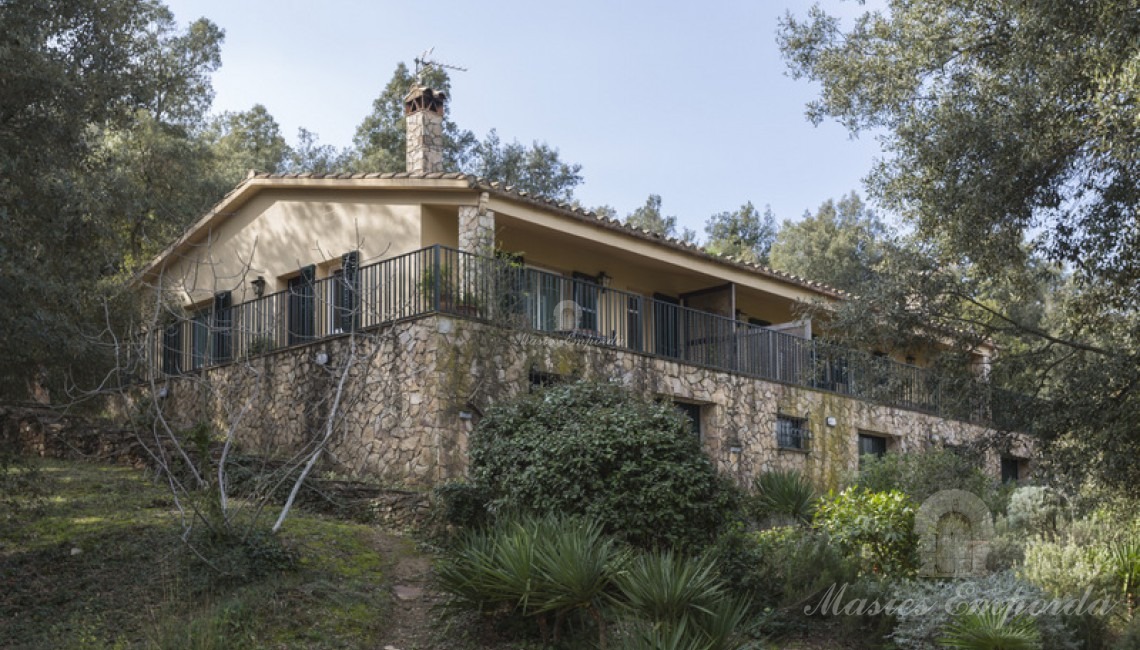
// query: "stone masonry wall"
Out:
[419,387]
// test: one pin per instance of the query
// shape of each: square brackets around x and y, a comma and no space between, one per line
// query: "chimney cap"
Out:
[421,98]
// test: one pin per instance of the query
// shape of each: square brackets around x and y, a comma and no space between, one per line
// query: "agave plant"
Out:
[783,494]
[1125,563]
[575,565]
[535,567]
[992,628]
[680,603]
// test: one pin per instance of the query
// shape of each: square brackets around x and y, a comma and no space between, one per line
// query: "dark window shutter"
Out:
[222,326]
[302,306]
[348,293]
[172,349]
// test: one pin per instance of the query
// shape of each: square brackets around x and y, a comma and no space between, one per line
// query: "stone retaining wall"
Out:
[416,389]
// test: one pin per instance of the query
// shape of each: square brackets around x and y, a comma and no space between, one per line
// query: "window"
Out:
[1010,469]
[172,349]
[586,296]
[666,326]
[792,433]
[693,413]
[871,445]
[542,379]
[633,323]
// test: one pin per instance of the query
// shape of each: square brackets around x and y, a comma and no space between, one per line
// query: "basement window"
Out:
[792,433]
[693,413]
[871,445]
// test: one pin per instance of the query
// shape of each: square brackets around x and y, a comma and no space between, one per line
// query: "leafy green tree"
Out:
[310,156]
[380,141]
[74,75]
[246,140]
[839,245]
[649,217]
[1011,135]
[538,169]
[743,233]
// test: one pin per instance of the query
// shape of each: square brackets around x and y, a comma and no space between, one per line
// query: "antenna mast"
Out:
[425,64]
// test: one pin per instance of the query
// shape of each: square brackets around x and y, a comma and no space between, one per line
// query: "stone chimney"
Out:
[423,108]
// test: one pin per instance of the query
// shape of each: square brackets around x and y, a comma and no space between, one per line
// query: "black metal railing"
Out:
[444,280]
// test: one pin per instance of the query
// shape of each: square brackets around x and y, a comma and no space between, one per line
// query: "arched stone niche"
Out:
[954,529]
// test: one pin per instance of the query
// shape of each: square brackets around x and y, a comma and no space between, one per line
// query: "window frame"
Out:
[791,428]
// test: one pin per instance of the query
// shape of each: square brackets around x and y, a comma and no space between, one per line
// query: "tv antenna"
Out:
[425,64]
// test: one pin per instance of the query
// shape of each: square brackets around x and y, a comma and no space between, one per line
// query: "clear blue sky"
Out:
[688,100]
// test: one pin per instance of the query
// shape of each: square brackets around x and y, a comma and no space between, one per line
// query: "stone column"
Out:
[477,236]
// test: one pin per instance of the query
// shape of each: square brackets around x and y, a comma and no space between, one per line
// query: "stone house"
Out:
[435,293]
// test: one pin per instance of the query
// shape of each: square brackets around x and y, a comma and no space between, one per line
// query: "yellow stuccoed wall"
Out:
[279,231]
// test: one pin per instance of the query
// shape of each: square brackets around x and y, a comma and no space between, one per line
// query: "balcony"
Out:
[441,280]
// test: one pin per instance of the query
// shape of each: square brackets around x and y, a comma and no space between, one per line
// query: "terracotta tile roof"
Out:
[512,193]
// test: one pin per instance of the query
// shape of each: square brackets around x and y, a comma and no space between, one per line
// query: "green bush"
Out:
[598,450]
[934,605]
[1035,510]
[782,496]
[678,602]
[543,568]
[462,504]
[992,628]
[875,529]
[780,571]
[1065,567]
[920,475]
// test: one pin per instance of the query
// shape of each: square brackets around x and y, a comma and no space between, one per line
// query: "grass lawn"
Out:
[95,561]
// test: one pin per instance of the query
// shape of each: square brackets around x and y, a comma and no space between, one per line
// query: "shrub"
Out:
[920,475]
[534,567]
[783,496]
[1064,567]
[597,450]
[463,505]
[992,628]
[1035,510]
[678,602]
[935,605]
[873,528]
[779,571]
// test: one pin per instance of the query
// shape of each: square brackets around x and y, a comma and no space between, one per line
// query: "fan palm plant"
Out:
[992,628]
[783,494]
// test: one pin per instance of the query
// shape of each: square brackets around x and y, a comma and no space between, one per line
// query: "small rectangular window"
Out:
[1010,469]
[792,433]
[693,413]
[871,445]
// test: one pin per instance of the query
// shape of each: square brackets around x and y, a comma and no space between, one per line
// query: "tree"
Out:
[309,156]
[380,141]
[649,217]
[246,140]
[839,245]
[73,74]
[538,169]
[1011,135]
[743,233]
